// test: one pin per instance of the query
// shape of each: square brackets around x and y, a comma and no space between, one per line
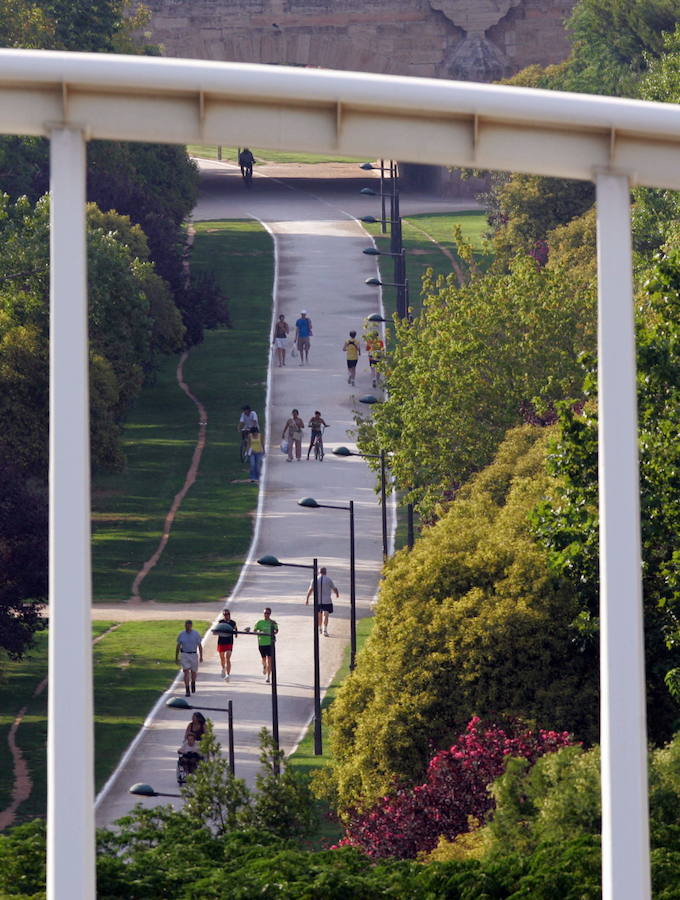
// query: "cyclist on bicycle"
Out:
[245,161]
[247,421]
[315,424]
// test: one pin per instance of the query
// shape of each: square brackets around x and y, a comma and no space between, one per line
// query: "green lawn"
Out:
[133,665]
[230,154]
[305,761]
[422,253]
[212,531]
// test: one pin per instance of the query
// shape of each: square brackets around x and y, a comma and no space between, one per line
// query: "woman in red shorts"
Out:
[226,631]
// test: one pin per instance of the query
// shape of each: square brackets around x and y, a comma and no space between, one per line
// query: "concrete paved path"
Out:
[320,268]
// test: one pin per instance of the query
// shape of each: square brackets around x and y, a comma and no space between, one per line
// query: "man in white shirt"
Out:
[188,653]
[325,588]
[248,419]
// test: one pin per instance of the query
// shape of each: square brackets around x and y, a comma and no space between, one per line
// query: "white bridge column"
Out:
[70,757]
[625,824]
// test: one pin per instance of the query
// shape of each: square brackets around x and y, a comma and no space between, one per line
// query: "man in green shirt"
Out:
[264,630]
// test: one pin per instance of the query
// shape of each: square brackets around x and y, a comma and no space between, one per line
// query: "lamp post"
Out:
[273,561]
[145,790]
[396,239]
[377,282]
[181,703]
[345,451]
[311,503]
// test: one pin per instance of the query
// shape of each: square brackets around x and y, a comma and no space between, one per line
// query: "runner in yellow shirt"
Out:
[353,351]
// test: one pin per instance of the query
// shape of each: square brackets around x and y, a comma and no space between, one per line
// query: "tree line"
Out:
[141,305]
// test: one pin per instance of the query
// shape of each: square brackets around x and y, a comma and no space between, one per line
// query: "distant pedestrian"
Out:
[292,432]
[376,350]
[315,424]
[325,587]
[281,330]
[226,631]
[352,351]
[188,653]
[255,453]
[245,161]
[264,629]
[303,332]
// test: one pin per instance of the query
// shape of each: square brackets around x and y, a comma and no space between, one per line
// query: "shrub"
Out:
[456,789]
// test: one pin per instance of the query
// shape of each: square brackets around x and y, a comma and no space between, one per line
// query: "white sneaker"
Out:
[325,633]
[226,677]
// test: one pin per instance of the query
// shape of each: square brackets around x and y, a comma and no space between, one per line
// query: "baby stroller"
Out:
[186,765]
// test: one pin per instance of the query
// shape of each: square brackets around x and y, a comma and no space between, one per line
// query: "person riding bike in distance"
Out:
[315,424]
[245,161]
[247,420]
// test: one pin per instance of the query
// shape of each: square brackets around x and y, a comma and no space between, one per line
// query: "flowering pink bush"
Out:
[412,819]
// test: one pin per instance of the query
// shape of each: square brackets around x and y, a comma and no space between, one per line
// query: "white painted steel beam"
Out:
[625,818]
[414,119]
[70,755]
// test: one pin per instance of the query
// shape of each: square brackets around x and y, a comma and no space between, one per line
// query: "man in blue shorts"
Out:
[303,332]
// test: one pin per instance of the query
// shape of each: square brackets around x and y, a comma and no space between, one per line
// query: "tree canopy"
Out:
[470,622]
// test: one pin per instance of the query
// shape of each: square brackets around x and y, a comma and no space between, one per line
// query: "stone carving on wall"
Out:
[476,58]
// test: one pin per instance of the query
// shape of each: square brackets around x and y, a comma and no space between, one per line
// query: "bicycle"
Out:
[243,449]
[318,445]
[247,173]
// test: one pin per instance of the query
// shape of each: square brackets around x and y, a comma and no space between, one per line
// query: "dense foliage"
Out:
[541,843]
[469,368]
[133,320]
[568,524]
[470,622]
[455,792]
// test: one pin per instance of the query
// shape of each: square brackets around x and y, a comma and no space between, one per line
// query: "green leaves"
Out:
[461,375]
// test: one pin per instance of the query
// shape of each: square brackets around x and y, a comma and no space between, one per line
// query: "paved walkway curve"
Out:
[320,268]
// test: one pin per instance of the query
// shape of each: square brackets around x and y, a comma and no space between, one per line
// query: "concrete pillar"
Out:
[625,826]
[70,754]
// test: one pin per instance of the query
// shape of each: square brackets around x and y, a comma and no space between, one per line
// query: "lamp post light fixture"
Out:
[275,562]
[181,703]
[376,317]
[345,451]
[311,503]
[145,790]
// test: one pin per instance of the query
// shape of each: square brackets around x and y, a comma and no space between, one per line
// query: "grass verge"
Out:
[230,154]
[213,528]
[133,665]
[329,831]
[424,237]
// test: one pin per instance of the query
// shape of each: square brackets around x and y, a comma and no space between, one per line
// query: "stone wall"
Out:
[475,40]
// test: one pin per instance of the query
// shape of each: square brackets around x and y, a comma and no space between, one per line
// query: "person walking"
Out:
[315,424]
[245,161]
[303,332]
[292,432]
[324,588]
[255,453]
[353,352]
[281,330]
[226,631]
[376,350]
[188,653]
[264,629]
